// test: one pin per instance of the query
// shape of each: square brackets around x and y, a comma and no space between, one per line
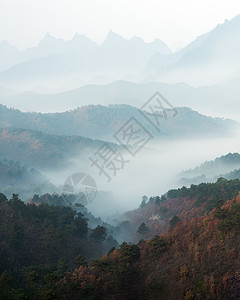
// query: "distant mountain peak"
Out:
[5,44]
[112,36]
[50,39]
[78,36]
[137,38]
[48,36]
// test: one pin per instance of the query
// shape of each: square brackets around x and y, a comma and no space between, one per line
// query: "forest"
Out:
[49,251]
[119,150]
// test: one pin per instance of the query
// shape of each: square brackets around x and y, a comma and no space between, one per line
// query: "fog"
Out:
[216,101]
[58,76]
[152,172]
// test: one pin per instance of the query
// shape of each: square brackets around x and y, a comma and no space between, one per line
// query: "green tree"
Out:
[99,234]
[80,261]
[144,201]
[143,229]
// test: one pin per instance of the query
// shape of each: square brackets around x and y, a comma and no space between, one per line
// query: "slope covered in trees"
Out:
[185,203]
[14,172]
[188,239]
[39,243]
[226,166]
[101,122]
[198,257]
[43,150]
[18,178]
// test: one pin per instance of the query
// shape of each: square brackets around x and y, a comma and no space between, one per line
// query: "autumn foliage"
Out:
[196,257]
[199,257]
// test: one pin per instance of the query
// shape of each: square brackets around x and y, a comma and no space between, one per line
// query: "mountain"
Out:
[50,45]
[210,100]
[197,251]
[13,172]
[225,163]
[55,61]
[158,62]
[118,92]
[101,122]
[34,241]
[10,54]
[41,150]
[48,70]
[25,181]
[226,166]
[47,46]
[193,257]
[185,203]
[127,55]
[210,59]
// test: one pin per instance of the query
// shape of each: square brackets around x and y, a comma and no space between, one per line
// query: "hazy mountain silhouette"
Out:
[55,61]
[213,100]
[210,59]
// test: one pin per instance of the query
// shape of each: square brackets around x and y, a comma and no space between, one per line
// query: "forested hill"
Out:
[23,180]
[13,172]
[226,166]
[183,204]
[198,254]
[39,243]
[101,122]
[196,259]
[39,149]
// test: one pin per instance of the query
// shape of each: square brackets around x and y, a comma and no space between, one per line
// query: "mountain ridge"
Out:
[101,122]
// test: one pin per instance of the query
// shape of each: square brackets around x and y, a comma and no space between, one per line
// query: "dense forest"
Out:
[196,259]
[187,238]
[119,151]
[184,204]
[40,243]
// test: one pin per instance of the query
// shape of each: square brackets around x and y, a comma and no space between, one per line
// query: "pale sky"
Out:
[24,23]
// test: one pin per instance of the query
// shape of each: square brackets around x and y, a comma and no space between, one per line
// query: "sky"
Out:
[24,23]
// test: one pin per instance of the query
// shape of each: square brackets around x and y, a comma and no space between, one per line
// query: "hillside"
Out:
[184,203]
[101,122]
[33,246]
[56,64]
[199,258]
[211,59]
[225,166]
[197,251]
[43,150]
[25,181]
[14,173]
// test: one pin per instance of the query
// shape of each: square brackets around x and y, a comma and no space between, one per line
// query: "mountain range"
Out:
[58,65]
[101,122]
[212,58]
[216,100]
[79,44]
[55,61]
